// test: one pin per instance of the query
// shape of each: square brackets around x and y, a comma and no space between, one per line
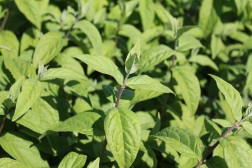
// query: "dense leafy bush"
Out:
[137,83]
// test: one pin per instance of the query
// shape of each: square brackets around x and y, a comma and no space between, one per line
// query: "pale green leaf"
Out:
[241,6]
[31,90]
[216,45]
[19,67]
[22,150]
[248,85]
[145,82]
[232,96]
[207,17]
[123,134]
[31,10]
[153,56]
[189,87]
[10,163]
[92,33]
[183,142]
[147,13]
[204,61]
[9,40]
[103,65]
[144,94]
[61,73]
[94,164]
[16,88]
[247,126]
[133,59]
[187,42]
[88,123]
[130,31]
[47,48]
[237,152]
[73,160]
[29,39]
[40,118]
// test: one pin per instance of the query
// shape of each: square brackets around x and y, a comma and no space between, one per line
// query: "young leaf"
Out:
[93,34]
[73,159]
[47,48]
[16,88]
[153,56]
[88,123]
[247,126]
[10,163]
[95,163]
[188,85]
[232,96]
[10,41]
[133,59]
[123,134]
[186,144]
[237,152]
[103,65]
[145,82]
[22,150]
[187,42]
[31,10]
[31,90]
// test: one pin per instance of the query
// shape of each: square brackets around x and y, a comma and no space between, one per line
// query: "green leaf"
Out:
[241,6]
[95,163]
[16,88]
[145,82]
[93,34]
[10,41]
[147,13]
[248,85]
[237,152]
[19,67]
[186,144]
[40,118]
[73,160]
[247,126]
[22,150]
[133,59]
[10,163]
[204,61]
[207,17]
[216,45]
[31,10]
[88,123]
[232,96]
[216,162]
[47,48]
[130,31]
[187,42]
[103,65]
[153,56]
[31,90]
[188,86]
[123,134]
[61,73]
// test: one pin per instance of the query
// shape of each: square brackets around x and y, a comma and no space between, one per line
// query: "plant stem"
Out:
[71,28]
[2,124]
[211,149]
[4,20]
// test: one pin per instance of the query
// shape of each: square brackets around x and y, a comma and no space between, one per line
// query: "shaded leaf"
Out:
[133,59]
[189,87]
